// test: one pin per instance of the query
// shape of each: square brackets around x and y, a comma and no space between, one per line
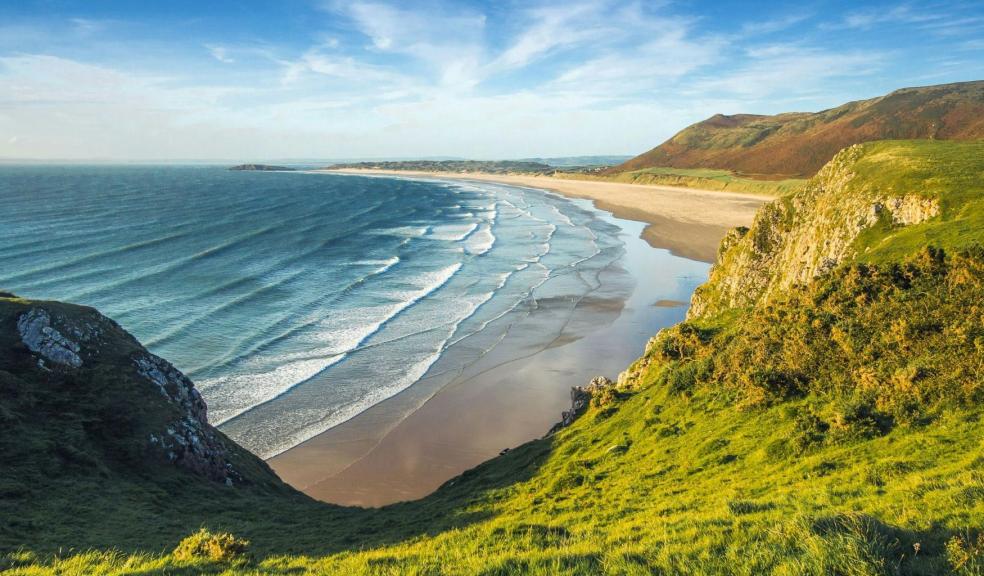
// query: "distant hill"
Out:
[798,144]
[579,161]
[460,166]
[261,168]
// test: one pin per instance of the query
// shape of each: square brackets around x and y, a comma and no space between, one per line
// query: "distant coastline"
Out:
[260,168]
[688,222]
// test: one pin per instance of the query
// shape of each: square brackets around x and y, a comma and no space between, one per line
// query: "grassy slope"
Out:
[792,438]
[798,144]
[701,178]
[953,174]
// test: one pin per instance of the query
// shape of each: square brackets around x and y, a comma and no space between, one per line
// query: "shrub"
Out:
[681,341]
[808,431]
[775,383]
[966,554]
[604,397]
[856,419]
[217,547]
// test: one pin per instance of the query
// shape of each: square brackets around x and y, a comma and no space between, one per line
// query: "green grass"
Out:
[835,430]
[702,178]
[951,173]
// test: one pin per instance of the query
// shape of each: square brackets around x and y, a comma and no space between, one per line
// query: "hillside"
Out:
[819,413]
[796,145]
[457,166]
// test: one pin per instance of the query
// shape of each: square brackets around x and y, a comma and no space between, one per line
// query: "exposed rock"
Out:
[40,337]
[912,209]
[189,441]
[174,385]
[797,239]
[62,336]
[580,398]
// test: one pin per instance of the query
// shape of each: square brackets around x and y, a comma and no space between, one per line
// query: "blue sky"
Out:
[326,79]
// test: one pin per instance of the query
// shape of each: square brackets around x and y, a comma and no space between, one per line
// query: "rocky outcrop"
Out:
[91,352]
[189,441]
[580,398]
[796,239]
[40,337]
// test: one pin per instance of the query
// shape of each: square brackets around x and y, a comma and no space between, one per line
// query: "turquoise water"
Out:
[295,300]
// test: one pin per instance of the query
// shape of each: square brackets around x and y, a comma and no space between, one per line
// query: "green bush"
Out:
[808,431]
[965,553]
[217,547]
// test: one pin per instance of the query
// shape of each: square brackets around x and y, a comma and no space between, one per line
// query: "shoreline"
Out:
[688,222]
[406,446]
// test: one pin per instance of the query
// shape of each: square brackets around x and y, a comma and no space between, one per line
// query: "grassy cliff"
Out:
[797,145]
[828,422]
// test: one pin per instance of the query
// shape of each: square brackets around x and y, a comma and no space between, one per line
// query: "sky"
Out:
[322,79]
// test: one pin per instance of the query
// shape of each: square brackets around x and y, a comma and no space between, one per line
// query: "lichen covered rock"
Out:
[43,339]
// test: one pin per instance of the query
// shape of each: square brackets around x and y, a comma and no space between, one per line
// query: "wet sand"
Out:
[686,221]
[407,446]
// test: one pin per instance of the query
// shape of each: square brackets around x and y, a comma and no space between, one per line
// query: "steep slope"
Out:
[873,202]
[798,144]
[83,404]
[829,424]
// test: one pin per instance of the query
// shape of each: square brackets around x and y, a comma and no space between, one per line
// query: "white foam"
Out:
[480,241]
[452,232]
[405,231]
[374,395]
[342,331]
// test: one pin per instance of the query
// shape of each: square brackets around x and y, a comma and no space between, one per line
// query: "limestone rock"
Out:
[799,238]
[40,337]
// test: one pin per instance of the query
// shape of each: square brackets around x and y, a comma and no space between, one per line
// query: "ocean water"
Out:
[296,300]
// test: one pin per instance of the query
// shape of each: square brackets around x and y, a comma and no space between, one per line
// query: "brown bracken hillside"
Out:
[797,144]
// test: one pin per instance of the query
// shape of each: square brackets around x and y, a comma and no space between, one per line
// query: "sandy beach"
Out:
[686,221]
[406,446]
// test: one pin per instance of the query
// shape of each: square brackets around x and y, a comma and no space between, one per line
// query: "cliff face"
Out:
[799,144]
[796,239]
[76,378]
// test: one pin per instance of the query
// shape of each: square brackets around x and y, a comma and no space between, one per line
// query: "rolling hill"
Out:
[798,144]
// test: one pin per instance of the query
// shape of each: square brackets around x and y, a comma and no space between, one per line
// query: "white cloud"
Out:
[86,26]
[791,71]
[220,53]
[903,13]
[447,42]
[381,79]
[773,25]
[552,28]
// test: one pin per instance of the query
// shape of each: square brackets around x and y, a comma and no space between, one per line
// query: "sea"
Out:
[297,300]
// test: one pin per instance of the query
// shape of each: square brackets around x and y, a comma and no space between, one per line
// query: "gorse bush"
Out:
[839,339]
[215,547]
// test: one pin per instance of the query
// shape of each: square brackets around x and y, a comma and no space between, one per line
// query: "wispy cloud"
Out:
[381,77]
[771,25]
[88,26]
[791,70]
[866,18]
[552,28]
[447,41]
[220,53]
